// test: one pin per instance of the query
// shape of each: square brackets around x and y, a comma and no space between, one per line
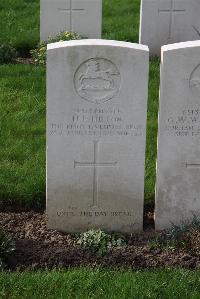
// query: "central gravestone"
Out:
[97,102]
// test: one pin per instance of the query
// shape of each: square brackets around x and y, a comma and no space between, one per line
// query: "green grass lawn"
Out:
[22,101]
[20,19]
[121,20]
[19,23]
[22,135]
[84,283]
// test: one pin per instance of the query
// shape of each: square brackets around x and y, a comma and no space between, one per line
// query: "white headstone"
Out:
[97,102]
[165,22]
[81,16]
[178,165]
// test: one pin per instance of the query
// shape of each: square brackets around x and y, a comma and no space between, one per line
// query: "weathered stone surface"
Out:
[165,22]
[97,102]
[178,166]
[81,16]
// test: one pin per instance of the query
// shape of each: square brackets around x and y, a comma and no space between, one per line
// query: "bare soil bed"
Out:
[40,248]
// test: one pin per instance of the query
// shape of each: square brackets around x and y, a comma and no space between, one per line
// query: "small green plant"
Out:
[39,54]
[153,244]
[7,53]
[177,234]
[7,246]
[99,241]
[182,235]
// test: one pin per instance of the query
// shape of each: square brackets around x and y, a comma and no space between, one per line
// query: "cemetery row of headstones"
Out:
[97,103]
[162,22]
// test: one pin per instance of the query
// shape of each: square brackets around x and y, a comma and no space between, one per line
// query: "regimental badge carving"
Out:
[195,81]
[97,80]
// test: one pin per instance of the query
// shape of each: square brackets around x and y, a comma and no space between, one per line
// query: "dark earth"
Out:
[40,248]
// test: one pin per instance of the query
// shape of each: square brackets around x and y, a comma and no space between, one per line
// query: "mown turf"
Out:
[19,23]
[85,283]
[22,135]
[152,127]
[20,19]
[121,19]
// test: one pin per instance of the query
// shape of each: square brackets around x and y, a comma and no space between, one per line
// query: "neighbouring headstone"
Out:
[178,165]
[165,22]
[97,102]
[81,16]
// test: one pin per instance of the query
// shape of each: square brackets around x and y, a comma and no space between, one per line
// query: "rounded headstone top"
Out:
[189,44]
[97,42]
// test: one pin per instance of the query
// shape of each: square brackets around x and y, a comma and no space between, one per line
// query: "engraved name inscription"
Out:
[96,122]
[185,124]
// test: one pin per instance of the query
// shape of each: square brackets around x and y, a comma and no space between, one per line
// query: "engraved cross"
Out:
[95,165]
[172,11]
[71,10]
[193,165]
